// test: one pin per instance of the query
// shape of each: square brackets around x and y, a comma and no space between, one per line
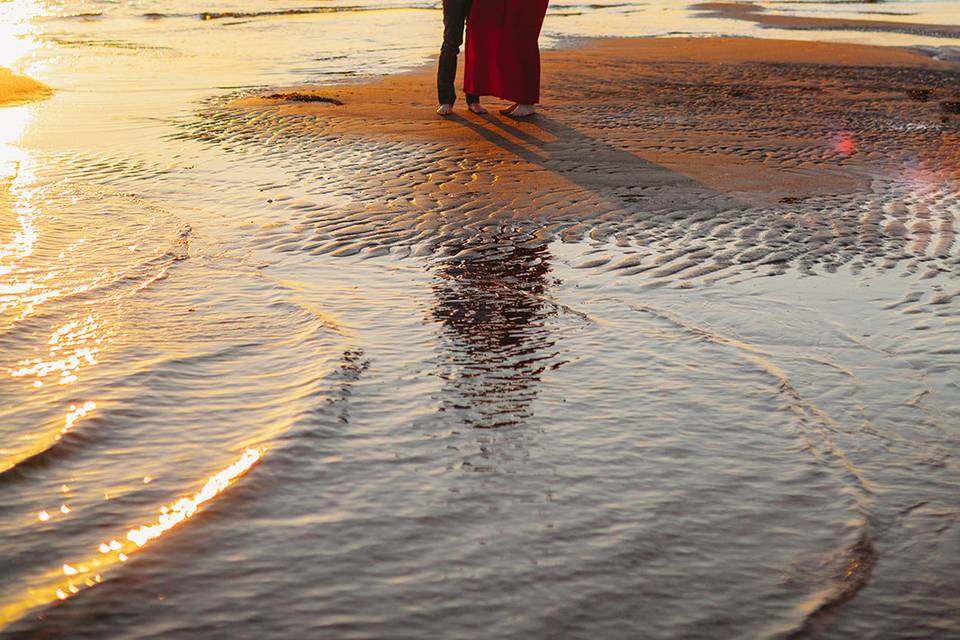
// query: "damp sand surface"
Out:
[891,23]
[676,358]
[726,141]
[17,89]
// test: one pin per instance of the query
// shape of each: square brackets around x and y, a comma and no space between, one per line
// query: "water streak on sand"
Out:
[755,13]
[856,563]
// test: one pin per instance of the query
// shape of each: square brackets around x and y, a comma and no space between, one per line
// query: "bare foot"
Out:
[509,109]
[445,109]
[523,111]
[477,108]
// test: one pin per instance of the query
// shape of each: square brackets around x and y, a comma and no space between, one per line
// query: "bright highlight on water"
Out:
[284,353]
[89,572]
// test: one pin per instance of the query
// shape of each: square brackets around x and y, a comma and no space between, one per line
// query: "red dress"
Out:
[503,54]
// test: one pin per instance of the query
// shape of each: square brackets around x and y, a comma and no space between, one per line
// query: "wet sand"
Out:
[754,13]
[16,89]
[753,152]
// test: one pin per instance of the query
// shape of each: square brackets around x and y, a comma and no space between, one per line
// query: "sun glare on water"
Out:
[16,39]
[14,162]
[185,507]
[70,578]
[13,122]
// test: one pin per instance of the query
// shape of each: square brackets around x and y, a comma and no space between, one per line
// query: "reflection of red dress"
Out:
[503,55]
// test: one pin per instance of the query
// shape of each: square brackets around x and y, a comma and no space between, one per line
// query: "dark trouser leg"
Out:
[455,14]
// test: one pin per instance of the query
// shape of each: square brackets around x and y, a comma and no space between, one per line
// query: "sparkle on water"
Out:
[88,573]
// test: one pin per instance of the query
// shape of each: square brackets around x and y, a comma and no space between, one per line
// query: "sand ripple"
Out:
[704,170]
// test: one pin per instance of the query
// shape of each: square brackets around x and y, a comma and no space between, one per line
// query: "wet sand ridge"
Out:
[753,13]
[713,155]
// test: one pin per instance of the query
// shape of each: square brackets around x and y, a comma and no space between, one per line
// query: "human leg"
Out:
[455,14]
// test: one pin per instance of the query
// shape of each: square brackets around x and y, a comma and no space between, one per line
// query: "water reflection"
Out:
[490,301]
[71,578]
[15,38]
[13,122]
[18,233]
[73,346]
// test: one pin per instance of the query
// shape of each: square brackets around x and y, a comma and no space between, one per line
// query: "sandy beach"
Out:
[754,13]
[285,354]
[750,149]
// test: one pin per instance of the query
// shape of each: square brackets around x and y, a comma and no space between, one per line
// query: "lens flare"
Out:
[844,144]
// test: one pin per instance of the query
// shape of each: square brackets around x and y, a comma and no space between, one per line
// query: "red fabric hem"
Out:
[503,54]
[518,98]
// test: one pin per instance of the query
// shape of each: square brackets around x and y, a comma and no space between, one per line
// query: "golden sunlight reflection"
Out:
[21,298]
[74,346]
[13,122]
[13,161]
[38,446]
[88,573]
[19,239]
[20,246]
[15,37]
[75,414]
[185,507]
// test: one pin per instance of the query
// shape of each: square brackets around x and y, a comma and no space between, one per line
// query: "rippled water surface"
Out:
[225,414]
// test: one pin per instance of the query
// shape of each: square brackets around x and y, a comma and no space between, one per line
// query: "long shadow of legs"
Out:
[690,229]
[606,192]
[625,181]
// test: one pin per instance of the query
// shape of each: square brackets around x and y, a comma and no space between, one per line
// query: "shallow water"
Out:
[416,424]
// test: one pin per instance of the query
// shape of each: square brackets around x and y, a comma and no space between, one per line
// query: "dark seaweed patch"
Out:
[304,97]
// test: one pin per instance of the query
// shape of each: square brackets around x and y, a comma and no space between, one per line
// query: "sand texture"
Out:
[712,157]
[754,13]
[16,89]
